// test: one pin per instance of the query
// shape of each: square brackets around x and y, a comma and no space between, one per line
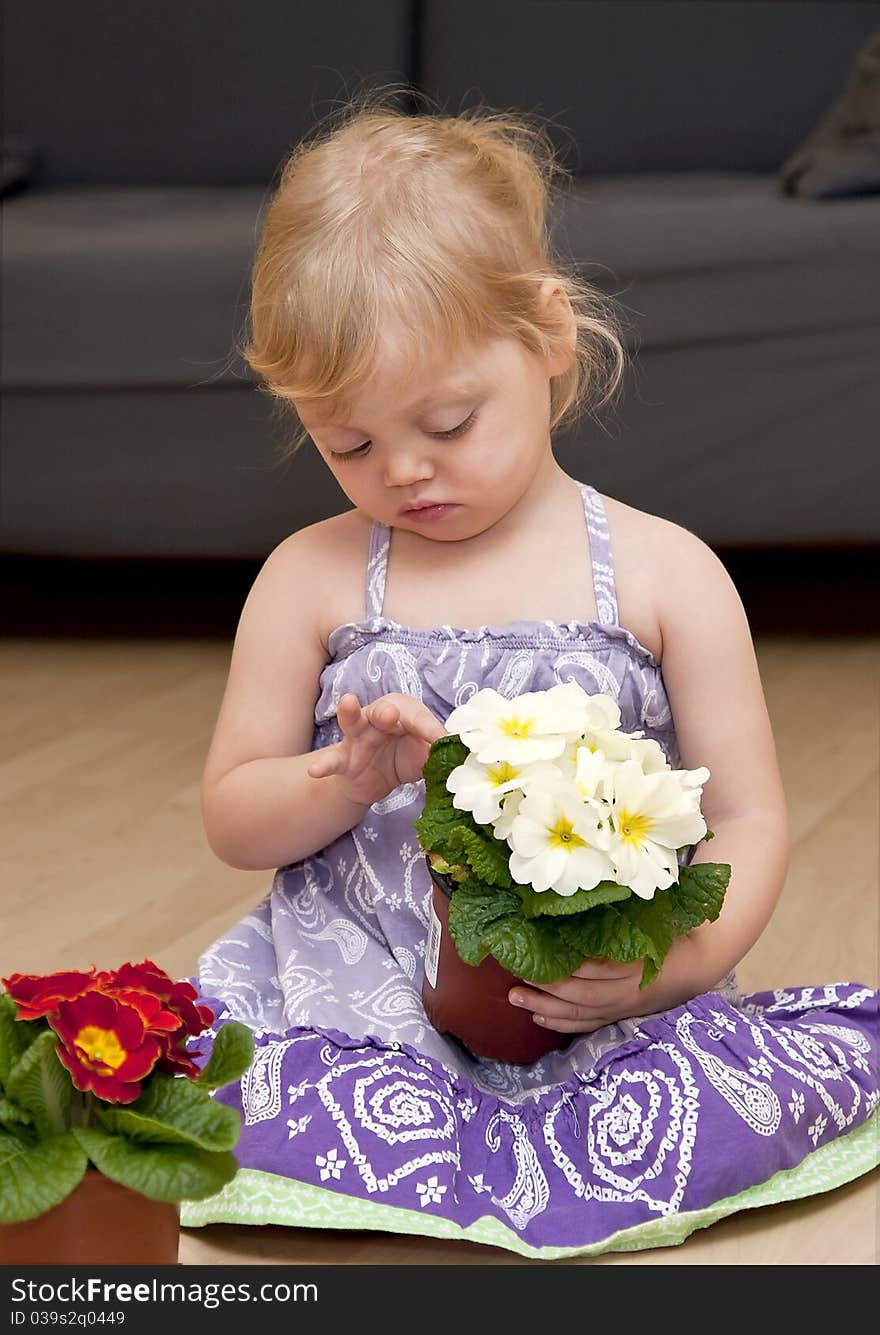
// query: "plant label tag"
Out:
[432,953]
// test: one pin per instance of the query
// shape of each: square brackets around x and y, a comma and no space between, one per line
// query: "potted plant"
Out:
[106,1119]
[551,837]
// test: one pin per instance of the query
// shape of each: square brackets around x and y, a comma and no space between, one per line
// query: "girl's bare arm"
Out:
[721,721]
[269,812]
[260,807]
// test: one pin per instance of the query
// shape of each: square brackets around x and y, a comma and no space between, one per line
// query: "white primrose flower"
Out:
[480,788]
[615,746]
[599,714]
[653,815]
[532,726]
[648,753]
[603,712]
[558,842]
[692,781]
[591,768]
[566,763]
[510,806]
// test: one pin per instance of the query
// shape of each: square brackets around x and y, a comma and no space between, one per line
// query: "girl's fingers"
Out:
[414,718]
[573,1026]
[559,1015]
[396,715]
[323,765]
[384,715]
[567,1000]
[606,969]
[354,721]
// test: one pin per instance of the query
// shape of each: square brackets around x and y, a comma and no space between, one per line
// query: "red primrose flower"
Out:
[115,1026]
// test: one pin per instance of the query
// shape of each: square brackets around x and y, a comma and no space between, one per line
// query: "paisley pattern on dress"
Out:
[352,1090]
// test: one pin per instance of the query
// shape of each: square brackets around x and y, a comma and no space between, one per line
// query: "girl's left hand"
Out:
[602,991]
[598,993]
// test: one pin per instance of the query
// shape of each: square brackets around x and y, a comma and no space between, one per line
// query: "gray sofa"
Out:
[131,427]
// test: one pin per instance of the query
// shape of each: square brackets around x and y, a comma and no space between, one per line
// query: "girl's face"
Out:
[473,436]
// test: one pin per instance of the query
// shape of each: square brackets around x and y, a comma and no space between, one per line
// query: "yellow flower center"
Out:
[502,773]
[633,827]
[100,1049]
[516,726]
[562,835]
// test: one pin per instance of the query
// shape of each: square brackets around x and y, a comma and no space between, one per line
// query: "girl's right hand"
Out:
[384,744]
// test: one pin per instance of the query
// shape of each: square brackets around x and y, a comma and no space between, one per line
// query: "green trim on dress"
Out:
[254,1197]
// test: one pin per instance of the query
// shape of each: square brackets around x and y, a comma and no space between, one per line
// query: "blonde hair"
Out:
[438,220]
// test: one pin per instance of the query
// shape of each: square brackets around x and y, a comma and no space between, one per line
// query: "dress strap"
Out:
[377,568]
[600,554]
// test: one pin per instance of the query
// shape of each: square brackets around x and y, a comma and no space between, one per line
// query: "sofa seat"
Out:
[113,293]
[125,285]
[144,285]
[703,256]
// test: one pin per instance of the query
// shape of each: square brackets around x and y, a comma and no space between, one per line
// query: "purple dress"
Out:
[354,1098]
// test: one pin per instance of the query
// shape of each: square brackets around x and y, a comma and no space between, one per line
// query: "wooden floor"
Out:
[103,742]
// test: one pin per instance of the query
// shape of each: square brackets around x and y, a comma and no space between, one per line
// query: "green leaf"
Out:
[175,1109]
[537,904]
[231,1055]
[699,895]
[488,857]
[653,919]
[13,1116]
[537,950]
[439,816]
[10,1146]
[16,1036]
[485,921]
[34,1178]
[636,929]
[472,910]
[453,870]
[445,755]
[162,1172]
[41,1085]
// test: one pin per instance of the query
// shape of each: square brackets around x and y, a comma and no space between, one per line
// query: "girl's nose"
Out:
[405,468]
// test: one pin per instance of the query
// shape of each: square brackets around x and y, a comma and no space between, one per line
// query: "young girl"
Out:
[407,307]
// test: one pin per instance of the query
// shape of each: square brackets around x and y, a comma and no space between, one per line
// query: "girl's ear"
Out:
[556,304]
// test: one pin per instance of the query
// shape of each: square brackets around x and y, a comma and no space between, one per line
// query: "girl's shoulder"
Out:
[336,552]
[640,538]
[629,527]
[333,541]
[637,541]
[659,567]
[646,551]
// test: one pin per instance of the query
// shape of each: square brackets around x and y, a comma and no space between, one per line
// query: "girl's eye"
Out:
[459,430]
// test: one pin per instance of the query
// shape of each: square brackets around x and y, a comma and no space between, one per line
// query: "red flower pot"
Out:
[471,1003]
[99,1223]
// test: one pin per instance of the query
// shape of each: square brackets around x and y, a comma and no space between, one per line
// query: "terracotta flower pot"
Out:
[99,1223]
[471,1003]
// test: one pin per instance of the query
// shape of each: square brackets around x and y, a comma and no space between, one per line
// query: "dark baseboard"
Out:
[808,591]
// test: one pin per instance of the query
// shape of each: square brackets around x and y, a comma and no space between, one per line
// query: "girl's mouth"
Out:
[428,512]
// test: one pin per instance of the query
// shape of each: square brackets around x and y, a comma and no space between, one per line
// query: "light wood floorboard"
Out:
[101,748]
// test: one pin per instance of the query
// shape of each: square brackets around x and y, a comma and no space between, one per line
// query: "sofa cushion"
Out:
[841,156]
[19,159]
[126,285]
[204,92]
[698,256]
[140,286]
[650,85]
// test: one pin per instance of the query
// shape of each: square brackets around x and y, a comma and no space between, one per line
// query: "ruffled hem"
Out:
[703,1102]
[516,634]
[254,1197]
